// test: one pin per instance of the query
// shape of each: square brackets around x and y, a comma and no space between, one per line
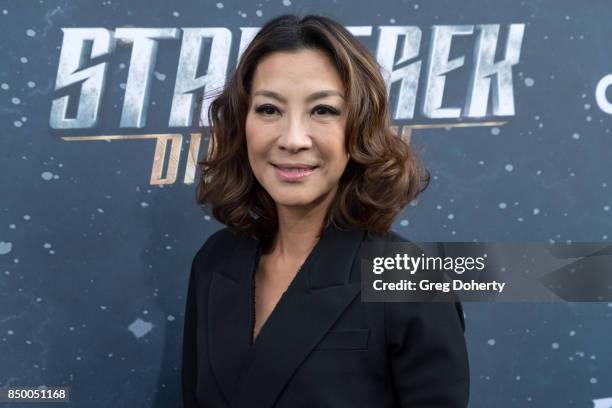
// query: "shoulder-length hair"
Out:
[383,174]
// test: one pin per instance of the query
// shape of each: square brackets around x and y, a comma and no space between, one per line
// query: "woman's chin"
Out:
[294,202]
[299,196]
[295,199]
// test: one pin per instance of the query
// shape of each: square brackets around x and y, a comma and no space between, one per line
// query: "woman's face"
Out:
[295,127]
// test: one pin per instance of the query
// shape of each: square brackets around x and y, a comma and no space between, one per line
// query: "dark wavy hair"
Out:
[383,174]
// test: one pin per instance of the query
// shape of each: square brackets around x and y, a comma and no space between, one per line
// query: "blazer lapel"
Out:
[315,299]
[229,314]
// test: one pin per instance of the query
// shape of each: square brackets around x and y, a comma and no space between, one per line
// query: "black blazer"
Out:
[321,346]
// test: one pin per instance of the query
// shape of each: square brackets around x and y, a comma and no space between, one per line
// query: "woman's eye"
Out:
[266,109]
[325,109]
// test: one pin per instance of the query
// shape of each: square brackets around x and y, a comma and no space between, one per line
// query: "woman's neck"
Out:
[299,229]
[297,234]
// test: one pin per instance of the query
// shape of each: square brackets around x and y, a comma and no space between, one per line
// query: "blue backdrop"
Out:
[95,246]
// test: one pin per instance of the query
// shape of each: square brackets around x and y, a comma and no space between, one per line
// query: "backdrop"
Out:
[508,103]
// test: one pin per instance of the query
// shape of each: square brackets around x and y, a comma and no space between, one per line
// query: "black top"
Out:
[321,346]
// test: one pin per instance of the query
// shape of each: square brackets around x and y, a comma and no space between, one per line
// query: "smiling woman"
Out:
[302,169]
[295,129]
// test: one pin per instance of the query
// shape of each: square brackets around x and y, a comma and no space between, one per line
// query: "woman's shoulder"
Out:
[212,253]
[221,240]
[394,236]
[389,236]
[387,245]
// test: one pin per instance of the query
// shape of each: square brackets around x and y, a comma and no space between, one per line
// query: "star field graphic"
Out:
[99,224]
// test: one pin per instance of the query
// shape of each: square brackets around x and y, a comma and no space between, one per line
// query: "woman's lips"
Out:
[293,173]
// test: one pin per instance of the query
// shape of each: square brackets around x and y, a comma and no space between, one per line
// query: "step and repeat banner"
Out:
[509,103]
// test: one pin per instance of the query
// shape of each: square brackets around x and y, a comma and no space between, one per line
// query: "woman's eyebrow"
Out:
[309,98]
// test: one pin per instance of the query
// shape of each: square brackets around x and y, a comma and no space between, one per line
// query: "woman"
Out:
[302,169]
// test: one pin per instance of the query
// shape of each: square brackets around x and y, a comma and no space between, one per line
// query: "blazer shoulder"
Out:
[394,236]
[401,311]
[222,239]
[389,236]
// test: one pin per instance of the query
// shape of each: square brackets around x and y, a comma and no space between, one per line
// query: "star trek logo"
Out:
[86,55]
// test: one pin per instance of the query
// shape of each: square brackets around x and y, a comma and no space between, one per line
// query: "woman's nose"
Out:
[295,135]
